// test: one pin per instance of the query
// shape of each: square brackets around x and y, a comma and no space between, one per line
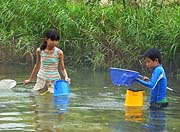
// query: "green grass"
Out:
[90,34]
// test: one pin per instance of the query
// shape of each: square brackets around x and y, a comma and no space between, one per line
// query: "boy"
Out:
[158,81]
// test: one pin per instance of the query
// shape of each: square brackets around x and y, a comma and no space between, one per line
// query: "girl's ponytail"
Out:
[43,45]
[51,34]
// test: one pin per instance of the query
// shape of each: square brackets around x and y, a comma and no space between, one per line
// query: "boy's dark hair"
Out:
[153,53]
[53,35]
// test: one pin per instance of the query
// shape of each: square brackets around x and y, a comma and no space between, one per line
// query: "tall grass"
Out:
[93,35]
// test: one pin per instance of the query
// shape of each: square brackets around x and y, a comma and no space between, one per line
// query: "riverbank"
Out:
[91,35]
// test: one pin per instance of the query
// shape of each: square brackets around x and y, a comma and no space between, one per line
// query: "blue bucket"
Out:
[123,77]
[61,87]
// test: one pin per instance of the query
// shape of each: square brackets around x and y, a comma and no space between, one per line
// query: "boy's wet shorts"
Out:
[159,105]
[43,86]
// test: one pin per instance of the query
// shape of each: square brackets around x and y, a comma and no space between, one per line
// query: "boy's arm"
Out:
[156,76]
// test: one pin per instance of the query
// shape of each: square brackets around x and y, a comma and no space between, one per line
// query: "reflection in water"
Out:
[134,122]
[157,121]
[44,109]
[61,103]
[133,113]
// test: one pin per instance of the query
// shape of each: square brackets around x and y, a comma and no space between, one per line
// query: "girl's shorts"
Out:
[43,86]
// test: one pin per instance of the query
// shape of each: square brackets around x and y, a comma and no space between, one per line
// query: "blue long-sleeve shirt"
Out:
[157,84]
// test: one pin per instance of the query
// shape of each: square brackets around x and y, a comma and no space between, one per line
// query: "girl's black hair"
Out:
[153,53]
[53,35]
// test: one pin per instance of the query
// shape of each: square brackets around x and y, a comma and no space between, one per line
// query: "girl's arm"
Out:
[36,67]
[62,67]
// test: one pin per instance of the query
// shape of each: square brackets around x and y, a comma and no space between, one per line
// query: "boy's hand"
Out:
[146,78]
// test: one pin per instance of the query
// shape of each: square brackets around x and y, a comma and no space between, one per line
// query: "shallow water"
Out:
[94,105]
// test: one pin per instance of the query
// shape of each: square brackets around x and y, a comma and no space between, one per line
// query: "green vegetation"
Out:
[93,35]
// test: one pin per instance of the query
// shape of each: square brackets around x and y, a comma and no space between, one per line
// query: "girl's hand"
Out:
[27,81]
[68,80]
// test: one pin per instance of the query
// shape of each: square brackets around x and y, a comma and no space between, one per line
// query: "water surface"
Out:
[95,105]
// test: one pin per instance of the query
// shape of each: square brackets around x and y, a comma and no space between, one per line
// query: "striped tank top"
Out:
[49,66]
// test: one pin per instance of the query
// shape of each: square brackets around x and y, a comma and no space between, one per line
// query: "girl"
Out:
[48,56]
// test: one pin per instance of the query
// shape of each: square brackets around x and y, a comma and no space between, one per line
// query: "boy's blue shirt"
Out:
[157,84]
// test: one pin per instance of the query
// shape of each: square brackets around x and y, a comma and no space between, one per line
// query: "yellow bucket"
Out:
[134,98]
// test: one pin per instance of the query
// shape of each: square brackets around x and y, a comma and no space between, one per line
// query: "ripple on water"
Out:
[14,126]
